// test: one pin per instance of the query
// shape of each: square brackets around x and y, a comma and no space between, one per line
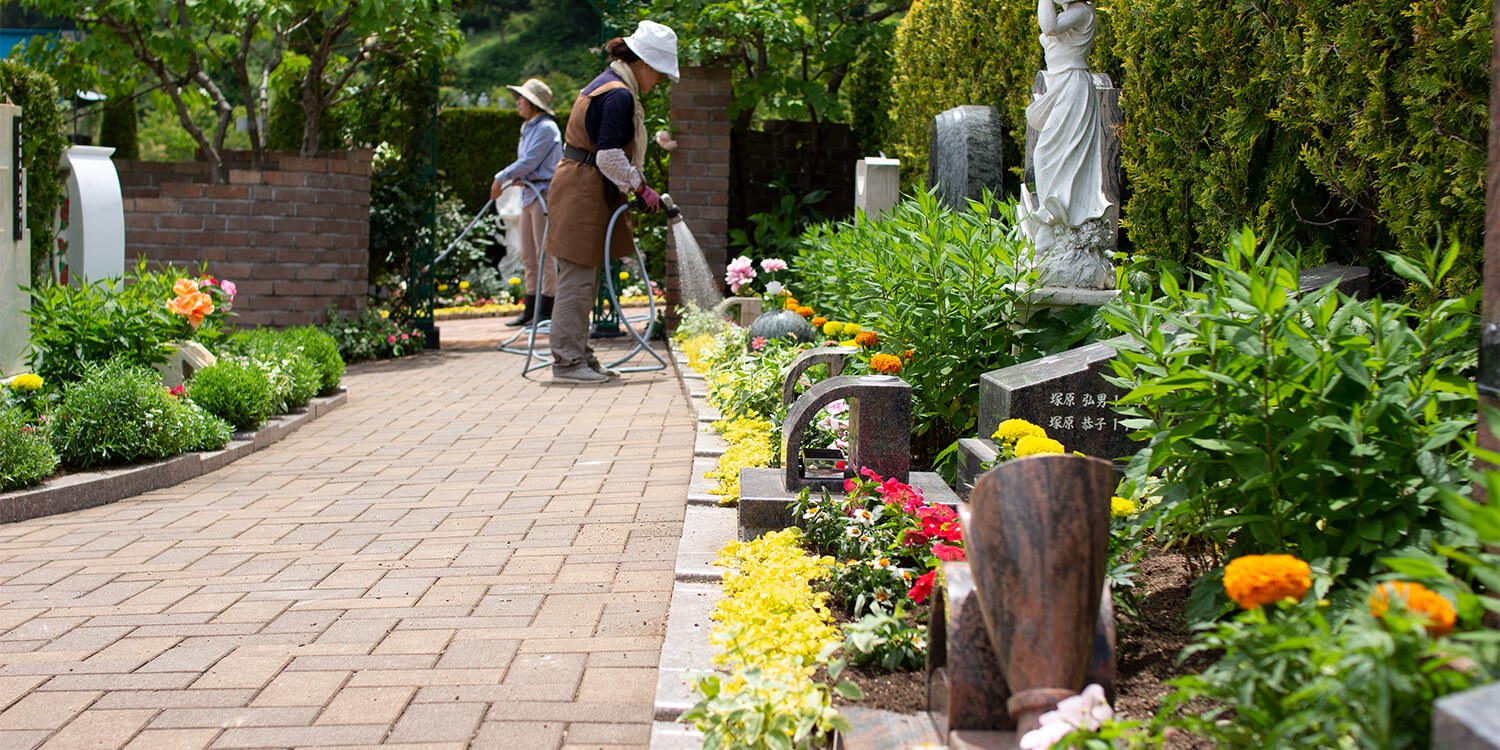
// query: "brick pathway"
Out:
[456,558]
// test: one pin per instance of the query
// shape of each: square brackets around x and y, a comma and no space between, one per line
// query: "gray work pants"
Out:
[577,287]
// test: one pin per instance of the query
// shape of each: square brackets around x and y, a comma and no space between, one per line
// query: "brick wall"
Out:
[293,236]
[809,163]
[699,181]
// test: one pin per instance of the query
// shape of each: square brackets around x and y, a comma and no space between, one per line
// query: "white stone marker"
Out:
[15,248]
[96,215]
[877,185]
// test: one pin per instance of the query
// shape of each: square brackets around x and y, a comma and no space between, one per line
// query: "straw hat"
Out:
[537,93]
[656,45]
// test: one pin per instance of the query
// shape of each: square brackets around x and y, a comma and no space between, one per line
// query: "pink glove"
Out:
[651,197]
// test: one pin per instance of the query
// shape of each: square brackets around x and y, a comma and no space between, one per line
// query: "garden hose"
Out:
[461,236]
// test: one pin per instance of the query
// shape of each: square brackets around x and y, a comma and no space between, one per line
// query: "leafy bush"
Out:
[371,335]
[323,350]
[74,326]
[26,456]
[295,378]
[41,120]
[235,390]
[120,412]
[1312,424]
[939,283]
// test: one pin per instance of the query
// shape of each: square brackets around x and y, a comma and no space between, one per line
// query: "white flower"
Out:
[1087,710]
[810,513]
[864,516]
[851,531]
[774,288]
[664,139]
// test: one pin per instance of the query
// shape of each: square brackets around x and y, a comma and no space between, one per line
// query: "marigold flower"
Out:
[1418,598]
[867,339]
[514,280]
[1034,445]
[818,322]
[832,328]
[442,287]
[463,285]
[907,354]
[805,311]
[27,382]
[791,303]
[1254,580]
[1012,430]
[886,363]
[1119,507]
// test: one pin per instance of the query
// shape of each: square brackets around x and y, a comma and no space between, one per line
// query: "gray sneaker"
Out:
[608,372]
[580,374]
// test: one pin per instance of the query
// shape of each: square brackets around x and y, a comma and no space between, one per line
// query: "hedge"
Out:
[1343,127]
[473,144]
[41,121]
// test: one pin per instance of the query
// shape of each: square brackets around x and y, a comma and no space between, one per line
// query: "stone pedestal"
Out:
[15,247]
[1468,720]
[877,185]
[965,155]
[95,234]
[745,309]
[835,357]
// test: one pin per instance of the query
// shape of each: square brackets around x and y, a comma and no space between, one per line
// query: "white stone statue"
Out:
[1068,218]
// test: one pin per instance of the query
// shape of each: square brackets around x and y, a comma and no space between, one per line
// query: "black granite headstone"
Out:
[965,155]
[1066,395]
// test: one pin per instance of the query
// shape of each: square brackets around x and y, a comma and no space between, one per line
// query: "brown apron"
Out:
[581,199]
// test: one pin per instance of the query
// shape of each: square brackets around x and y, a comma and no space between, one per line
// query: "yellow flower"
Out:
[1034,445]
[1012,430]
[1418,598]
[833,328]
[463,285]
[442,287]
[852,329]
[515,280]
[624,276]
[27,382]
[1254,580]
[1119,507]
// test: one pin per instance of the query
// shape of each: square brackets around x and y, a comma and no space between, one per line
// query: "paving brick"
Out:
[103,730]
[438,722]
[357,705]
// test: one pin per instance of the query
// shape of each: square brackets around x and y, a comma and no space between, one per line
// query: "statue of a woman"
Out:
[1068,218]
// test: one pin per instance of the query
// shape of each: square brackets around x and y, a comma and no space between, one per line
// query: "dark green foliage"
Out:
[73,326]
[323,350]
[120,412]
[295,378]
[26,457]
[473,144]
[287,119]
[870,100]
[1307,424]
[370,335]
[41,122]
[119,128]
[235,390]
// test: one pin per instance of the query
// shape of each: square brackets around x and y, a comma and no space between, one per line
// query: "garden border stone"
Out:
[87,489]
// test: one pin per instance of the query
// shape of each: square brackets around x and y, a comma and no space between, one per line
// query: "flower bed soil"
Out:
[1147,653]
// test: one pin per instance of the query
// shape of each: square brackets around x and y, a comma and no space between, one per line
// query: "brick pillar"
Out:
[699,181]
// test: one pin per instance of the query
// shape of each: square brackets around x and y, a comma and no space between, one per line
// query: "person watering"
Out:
[537,155]
[602,154]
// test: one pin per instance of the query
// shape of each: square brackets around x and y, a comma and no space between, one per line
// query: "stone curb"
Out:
[90,488]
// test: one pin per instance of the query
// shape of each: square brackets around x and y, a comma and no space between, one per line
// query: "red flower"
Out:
[951,554]
[922,587]
[850,484]
[838,465]
[179,390]
[914,538]
[940,522]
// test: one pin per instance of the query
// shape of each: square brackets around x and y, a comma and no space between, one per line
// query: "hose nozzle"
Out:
[674,214]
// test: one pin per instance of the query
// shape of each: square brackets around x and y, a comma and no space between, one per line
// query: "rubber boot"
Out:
[545,312]
[526,315]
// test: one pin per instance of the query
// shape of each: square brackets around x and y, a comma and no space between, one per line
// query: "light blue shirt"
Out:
[537,155]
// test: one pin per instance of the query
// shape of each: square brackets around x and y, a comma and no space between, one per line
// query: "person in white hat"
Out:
[537,155]
[603,150]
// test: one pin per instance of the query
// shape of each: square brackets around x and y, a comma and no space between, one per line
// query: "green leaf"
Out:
[849,690]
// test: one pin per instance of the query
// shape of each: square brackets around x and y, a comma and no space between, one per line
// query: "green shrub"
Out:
[323,350]
[295,377]
[26,456]
[41,121]
[120,128]
[208,432]
[1310,424]
[473,144]
[936,282]
[371,335]
[235,390]
[120,412]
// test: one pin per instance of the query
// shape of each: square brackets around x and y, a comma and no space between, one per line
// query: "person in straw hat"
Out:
[537,155]
[603,150]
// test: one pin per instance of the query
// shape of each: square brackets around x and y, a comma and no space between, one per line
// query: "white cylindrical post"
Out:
[95,236]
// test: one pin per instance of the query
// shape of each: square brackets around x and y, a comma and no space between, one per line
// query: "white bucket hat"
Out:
[656,45]
[536,92]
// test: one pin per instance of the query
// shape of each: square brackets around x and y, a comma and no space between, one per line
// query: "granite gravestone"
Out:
[1468,720]
[965,154]
[15,246]
[1065,394]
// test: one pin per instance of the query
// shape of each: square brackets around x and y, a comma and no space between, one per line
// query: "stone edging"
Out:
[706,528]
[86,489]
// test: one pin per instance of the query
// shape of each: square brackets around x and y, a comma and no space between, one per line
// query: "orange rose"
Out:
[1254,580]
[184,287]
[885,363]
[1418,598]
[194,306]
[867,339]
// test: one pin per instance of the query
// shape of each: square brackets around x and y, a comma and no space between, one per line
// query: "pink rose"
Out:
[229,288]
[404,337]
[391,339]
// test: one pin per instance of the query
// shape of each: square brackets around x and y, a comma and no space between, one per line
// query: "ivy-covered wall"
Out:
[41,122]
[1343,127]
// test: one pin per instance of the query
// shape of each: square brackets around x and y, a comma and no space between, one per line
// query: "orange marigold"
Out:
[1254,580]
[819,321]
[886,363]
[867,339]
[805,311]
[791,303]
[1418,598]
